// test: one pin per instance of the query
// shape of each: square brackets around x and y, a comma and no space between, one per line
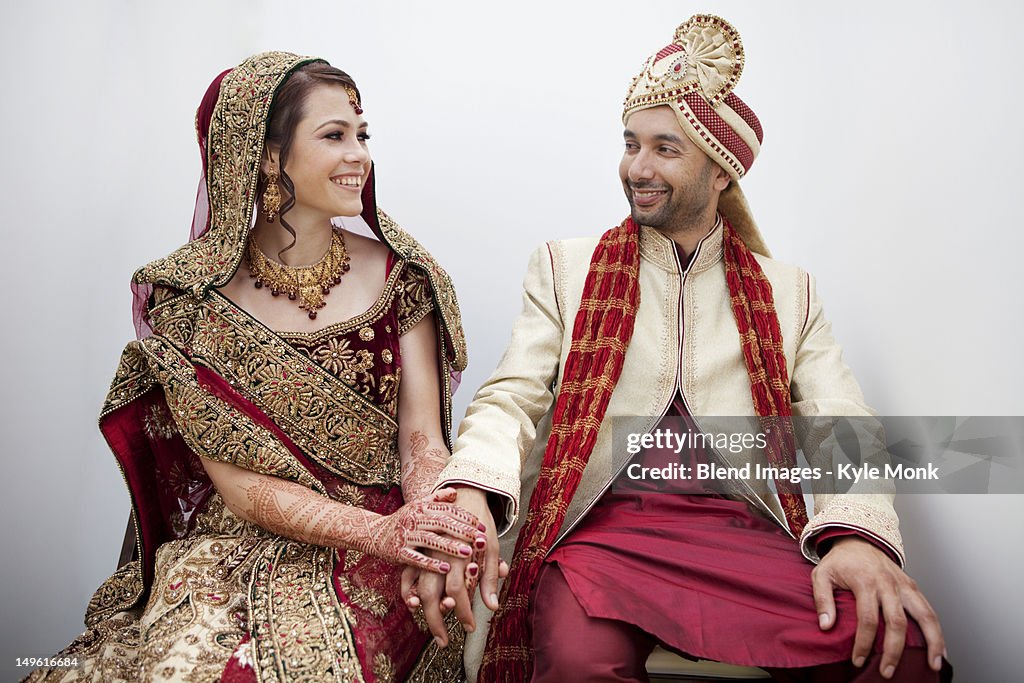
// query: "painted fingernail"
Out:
[481,527]
[889,671]
[823,620]
[858,661]
[444,567]
[472,570]
[465,550]
[480,543]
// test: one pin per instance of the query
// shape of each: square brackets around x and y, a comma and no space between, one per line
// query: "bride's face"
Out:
[328,161]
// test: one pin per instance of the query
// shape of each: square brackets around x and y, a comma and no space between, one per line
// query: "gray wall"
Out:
[892,150]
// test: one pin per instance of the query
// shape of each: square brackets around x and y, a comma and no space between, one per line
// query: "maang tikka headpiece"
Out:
[353,99]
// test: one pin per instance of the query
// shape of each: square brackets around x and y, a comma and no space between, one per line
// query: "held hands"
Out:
[877,584]
[437,594]
[433,523]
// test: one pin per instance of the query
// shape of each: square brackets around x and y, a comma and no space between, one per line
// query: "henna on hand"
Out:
[293,511]
[431,523]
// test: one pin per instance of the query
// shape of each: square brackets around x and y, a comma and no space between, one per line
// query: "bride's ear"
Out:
[270,161]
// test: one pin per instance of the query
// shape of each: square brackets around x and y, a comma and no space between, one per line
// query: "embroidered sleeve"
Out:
[825,393]
[415,299]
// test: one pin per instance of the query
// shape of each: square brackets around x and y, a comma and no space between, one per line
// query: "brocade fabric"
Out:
[213,597]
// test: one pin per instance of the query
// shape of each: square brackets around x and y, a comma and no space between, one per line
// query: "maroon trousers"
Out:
[676,563]
[570,645]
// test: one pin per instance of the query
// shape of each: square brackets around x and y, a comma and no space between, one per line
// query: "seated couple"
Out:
[283,426]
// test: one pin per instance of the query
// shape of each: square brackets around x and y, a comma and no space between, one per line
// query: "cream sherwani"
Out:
[685,340]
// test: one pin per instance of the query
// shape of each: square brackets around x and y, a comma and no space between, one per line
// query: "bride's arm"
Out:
[424,454]
[421,445]
[294,511]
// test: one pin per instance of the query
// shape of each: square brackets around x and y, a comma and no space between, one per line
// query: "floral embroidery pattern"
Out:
[243,655]
[339,358]
[158,424]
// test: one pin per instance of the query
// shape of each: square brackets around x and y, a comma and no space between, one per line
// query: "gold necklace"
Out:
[309,284]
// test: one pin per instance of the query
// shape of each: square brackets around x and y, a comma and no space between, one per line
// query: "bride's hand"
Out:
[432,523]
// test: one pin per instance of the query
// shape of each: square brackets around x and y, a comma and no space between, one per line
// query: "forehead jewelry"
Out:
[353,99]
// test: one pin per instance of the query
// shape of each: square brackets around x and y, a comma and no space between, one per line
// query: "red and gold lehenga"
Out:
[209,596]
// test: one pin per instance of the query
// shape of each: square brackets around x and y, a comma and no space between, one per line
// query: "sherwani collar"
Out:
[661,250]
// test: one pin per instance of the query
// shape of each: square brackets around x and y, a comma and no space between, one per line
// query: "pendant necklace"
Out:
[306,284]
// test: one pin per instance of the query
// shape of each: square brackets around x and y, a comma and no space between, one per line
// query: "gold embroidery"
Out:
[131,380]
[358,372]
[364,597]
[168,624]
[108,651]
[414,299]
[366,334]
[335,426]
[441,665]
[217,431]
[444,293]
[300,629]
[387,356]
[192,619]
[420,619]
[349,494]
[352,558]
[338,357]
[122,589]
[383,668]
[389,387]
[217,520]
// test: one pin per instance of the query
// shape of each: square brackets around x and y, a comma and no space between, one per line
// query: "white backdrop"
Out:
[892,151]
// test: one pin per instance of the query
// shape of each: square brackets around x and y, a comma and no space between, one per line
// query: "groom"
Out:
[678,313]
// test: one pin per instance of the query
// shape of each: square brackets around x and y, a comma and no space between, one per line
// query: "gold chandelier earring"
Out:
[271,197]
